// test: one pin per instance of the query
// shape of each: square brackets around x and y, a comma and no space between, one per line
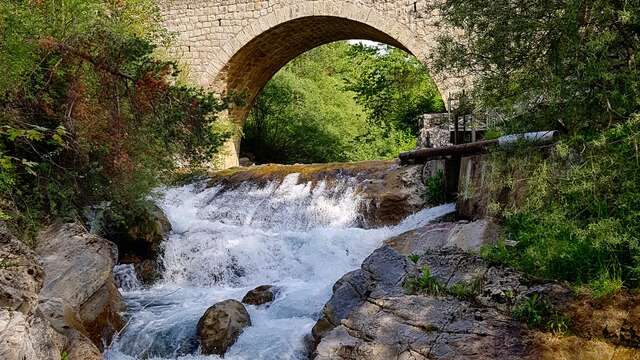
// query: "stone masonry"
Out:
[236,46]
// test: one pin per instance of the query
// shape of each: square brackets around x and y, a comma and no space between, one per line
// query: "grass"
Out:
[427,284]
[436,193]
[537,313]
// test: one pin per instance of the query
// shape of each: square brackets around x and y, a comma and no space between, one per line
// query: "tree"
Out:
[340,102]
[89,113]
[393,86]
[570,65]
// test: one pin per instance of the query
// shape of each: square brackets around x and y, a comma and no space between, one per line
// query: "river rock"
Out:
[260,295]
[21,275]
[33,327]
[221,325]
[78,269]
[140,241]
[472,236]
[372,314]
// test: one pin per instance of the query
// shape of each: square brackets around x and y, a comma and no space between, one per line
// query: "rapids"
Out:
[298,237]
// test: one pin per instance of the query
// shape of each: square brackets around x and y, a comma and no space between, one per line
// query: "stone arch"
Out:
[238,45]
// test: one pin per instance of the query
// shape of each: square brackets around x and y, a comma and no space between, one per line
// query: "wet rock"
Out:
[348,293]
[221,325]
[140,240]
[78,268]
[260,295]
[390,192]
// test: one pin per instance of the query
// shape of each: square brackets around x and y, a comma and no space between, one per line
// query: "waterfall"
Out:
[300,237]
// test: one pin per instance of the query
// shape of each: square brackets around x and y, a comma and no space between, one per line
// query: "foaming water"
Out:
[298,237]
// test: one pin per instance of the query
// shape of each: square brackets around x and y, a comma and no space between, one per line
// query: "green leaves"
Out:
[570,65]
[88,113]
[576,217]
[340,102]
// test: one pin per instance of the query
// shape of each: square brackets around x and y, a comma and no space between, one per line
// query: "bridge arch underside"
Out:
[249,69]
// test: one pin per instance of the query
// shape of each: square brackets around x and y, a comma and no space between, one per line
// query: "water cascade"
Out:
[226,241]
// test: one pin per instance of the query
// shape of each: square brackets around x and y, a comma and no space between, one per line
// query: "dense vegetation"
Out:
[89,112]
[341,102]
[571,66]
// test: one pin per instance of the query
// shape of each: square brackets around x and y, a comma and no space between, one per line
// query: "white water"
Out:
[224,243]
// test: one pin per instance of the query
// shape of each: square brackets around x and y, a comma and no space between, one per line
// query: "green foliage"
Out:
[322,108]
[436,193]
[88,114]
[605,285]
[414,258]
[578,217]
[466,290]
[537,313]
[570,66]
[393,87]
[565,65]
[426,283]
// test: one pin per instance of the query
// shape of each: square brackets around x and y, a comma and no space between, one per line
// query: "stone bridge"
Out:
[238,45]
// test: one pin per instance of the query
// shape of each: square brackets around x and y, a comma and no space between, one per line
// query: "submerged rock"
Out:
[140,240]
[260,295]
[221,325]
[389,192]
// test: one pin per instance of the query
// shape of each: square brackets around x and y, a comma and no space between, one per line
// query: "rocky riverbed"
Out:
[249,259]
[373,314]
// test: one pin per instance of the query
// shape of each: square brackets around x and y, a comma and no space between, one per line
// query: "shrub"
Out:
[577,216]
[88,113]
[436,193]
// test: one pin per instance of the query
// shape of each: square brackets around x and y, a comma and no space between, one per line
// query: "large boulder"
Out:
[376,312]
[261,295]
[221,325]
[139,240]
[33,327]
[78,269]
[21,275]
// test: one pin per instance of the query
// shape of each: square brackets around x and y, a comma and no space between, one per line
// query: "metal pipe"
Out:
[479,147]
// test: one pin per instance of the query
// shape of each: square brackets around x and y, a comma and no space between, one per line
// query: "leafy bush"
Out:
[436,193]
[577,216]
[564,65]
[88,113]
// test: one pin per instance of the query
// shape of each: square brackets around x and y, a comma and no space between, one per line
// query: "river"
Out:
[298,237]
